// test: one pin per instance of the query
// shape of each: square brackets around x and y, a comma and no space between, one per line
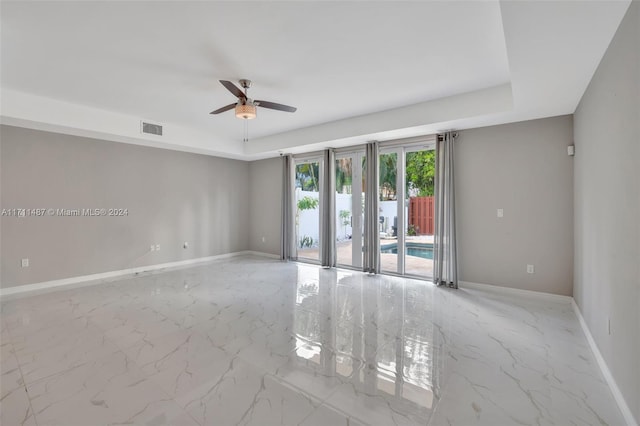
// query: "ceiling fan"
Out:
[246,108]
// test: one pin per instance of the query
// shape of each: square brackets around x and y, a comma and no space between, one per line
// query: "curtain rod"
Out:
[441,136]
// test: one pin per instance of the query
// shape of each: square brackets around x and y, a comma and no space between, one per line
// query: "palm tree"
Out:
[306,176]
[388,168]
[343,174]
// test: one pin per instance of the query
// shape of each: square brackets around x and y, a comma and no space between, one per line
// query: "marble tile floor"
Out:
[256,341]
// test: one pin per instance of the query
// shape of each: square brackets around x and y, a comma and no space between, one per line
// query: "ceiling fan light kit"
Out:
[246,111]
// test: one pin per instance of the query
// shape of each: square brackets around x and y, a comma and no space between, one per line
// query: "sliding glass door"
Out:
[406,209]
[308,181]
[390,217]
[349,201]
[419,173]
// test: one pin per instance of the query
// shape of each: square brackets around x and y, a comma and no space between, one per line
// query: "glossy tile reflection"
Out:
[352,332]
[255,341]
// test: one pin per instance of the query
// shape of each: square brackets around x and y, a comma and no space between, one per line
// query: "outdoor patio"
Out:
[414,265]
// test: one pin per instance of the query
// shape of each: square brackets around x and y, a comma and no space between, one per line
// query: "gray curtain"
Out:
[445,258]
[328,218]
[288,214]
[371,261]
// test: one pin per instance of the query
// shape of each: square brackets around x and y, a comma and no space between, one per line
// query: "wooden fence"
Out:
[421,214]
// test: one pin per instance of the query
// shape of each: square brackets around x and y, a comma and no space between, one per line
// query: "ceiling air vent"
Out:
[151,128]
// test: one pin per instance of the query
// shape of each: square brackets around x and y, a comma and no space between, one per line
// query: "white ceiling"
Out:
[97,68]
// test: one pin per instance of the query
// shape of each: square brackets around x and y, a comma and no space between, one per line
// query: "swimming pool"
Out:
[423,250]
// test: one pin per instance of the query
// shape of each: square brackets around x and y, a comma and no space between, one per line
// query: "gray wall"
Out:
[524,169]
[607,207]
[172,197]
[265,182]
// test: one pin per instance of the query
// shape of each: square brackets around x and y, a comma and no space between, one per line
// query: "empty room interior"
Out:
[320,213]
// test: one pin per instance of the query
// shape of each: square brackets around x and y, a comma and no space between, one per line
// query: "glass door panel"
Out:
[349,209]
[344,211]
[419,212]
[388,217]
[307,208]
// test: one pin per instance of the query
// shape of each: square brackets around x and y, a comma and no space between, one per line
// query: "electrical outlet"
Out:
[185,245]
[264,240]
[157,247]
[25,263]
[152,248]
[500,212]
[530,269]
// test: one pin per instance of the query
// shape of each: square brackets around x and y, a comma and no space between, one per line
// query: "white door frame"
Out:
[400,179]
[401,172]
[356,205]
[303,159]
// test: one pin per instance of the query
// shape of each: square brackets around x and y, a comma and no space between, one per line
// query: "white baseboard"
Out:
[622,404]
[263,254]
[98,278]
[515,291]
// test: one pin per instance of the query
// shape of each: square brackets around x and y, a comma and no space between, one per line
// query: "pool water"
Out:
[424,251]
